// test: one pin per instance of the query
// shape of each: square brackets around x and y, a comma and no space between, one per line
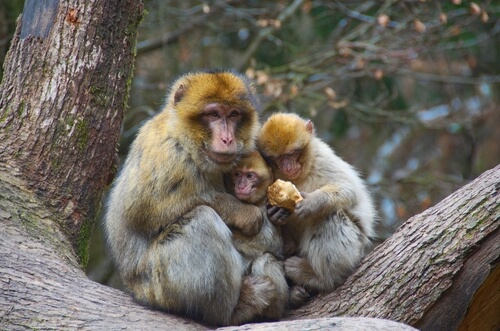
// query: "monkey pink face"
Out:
[245,184]
[289,165]
[222,120]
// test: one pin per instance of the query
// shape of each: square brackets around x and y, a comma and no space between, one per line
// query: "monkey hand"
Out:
[277,215]
[250,226]
[311,204]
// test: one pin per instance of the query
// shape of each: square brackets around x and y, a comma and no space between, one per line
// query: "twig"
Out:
[168,38]
[361,17]
[264,33]
[447,79]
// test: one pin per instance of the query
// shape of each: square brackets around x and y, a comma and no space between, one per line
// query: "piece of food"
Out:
[283,194]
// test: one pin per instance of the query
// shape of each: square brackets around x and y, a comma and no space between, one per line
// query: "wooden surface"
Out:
[334,324]
[484,313]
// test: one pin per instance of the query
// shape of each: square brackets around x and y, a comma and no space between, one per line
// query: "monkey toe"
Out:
[298,296]
[298,269]
[263,288]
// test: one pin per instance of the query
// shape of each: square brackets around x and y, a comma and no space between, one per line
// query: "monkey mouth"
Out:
[242,196]
[220,157]
[244,193]
[291,174]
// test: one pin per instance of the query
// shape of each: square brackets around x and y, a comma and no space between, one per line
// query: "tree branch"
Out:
[168,38]
[264,33]
[447,78]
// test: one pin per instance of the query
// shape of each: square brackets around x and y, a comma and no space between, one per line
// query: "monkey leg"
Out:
[267,240]
[329,251]
[256,295]
[196,271]
[267,265]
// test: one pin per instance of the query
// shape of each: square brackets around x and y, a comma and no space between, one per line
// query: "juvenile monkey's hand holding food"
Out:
[337,203]
[283,194]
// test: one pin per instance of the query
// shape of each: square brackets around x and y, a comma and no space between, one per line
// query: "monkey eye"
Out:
[237,174]
[234,113]
[251,175]
[213,114]
[294,153]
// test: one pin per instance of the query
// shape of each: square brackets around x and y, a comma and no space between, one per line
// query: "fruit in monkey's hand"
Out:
[283,194]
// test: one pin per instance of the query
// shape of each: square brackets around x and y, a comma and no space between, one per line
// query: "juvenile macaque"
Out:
[249,182]
[334,222]
[169,216]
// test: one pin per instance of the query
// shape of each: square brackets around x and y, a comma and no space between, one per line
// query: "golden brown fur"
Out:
[333,225]
[249,181]
[168,218]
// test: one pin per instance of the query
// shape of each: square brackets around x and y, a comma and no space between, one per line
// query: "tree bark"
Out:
[62,99]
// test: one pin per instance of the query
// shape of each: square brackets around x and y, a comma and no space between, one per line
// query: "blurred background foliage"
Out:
[407,91]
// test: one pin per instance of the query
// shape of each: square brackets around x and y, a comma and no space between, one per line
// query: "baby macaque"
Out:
[249,182]
[334,222]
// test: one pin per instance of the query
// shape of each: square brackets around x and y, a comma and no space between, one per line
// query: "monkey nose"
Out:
[227,141]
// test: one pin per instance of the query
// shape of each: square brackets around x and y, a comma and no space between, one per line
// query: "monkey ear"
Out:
[310,126]
[179,94]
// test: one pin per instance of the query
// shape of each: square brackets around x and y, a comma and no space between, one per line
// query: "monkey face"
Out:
[222,121]
[245,184]
[289,164]
[216,114]
[284,140]
[251,177]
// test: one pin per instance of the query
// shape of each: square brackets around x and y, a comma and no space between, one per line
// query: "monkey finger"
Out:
[277,215]
[301,209]
[252,228]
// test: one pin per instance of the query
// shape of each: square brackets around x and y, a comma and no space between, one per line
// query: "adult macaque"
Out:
[249,181]
[334,222]
[169,216]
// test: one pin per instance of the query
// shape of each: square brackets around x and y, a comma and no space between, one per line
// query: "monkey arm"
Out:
[325,201]
[245,217]
[340,196]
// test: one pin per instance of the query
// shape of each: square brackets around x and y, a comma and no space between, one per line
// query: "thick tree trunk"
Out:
[43,287]
[62,99]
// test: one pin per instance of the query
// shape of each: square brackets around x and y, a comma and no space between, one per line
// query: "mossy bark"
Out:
[62,101]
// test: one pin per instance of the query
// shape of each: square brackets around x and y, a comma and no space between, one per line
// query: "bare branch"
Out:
[264,33]
[447,79]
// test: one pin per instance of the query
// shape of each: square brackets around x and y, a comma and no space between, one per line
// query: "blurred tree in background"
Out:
[406,91]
